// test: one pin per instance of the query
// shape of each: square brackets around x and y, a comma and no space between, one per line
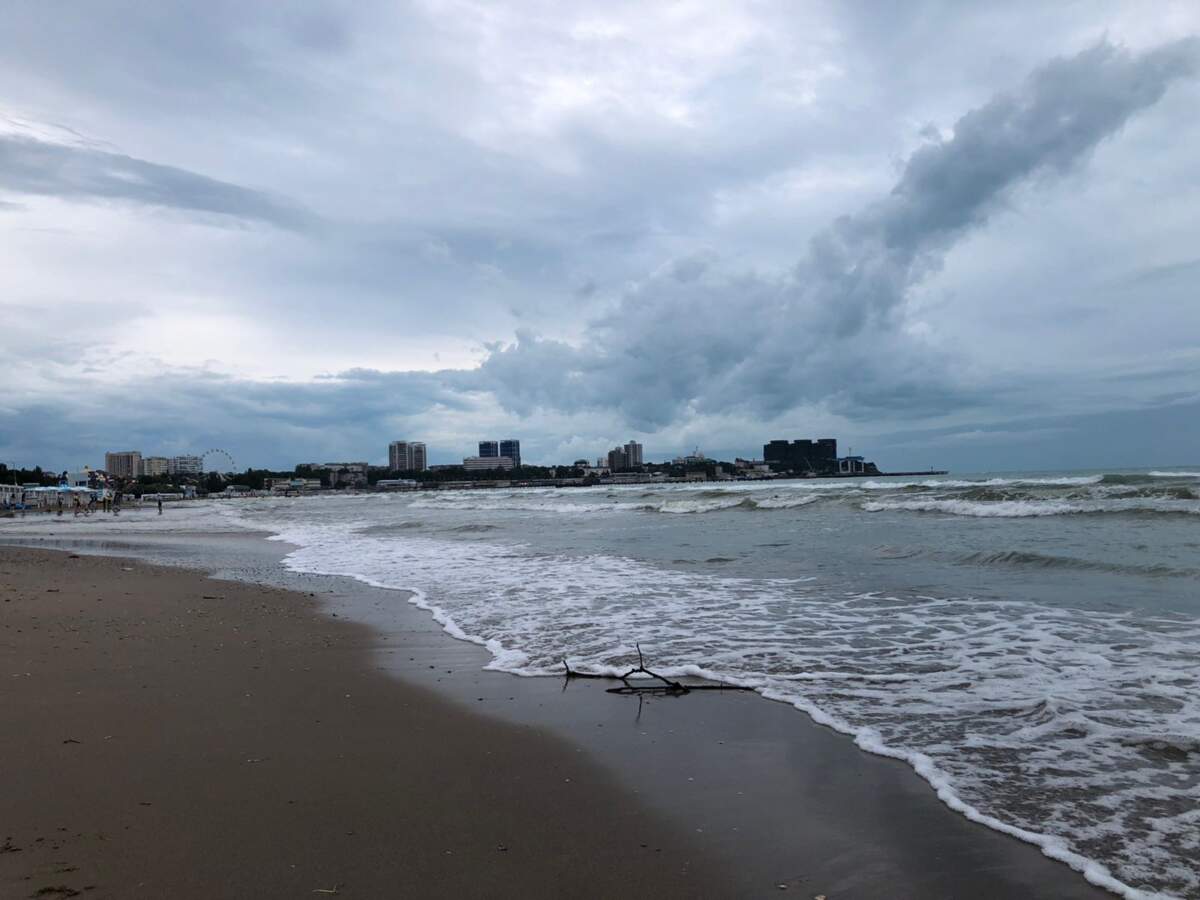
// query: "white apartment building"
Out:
[407,456]
[155,466]
[184,465]
[486,463]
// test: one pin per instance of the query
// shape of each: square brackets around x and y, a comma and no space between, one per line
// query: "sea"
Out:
[1028,642]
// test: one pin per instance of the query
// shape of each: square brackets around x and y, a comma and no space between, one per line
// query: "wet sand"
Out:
[750,792]
[167,735]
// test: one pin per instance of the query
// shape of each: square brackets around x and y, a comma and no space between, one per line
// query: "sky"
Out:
[952,235]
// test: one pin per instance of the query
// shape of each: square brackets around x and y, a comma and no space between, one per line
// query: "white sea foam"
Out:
[1158,474]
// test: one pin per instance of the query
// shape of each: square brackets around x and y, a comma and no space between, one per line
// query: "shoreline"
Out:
[168,734]
[769,791]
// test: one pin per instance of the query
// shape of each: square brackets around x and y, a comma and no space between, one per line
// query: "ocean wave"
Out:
[1019,509]
[982,699]
[1157,474]
[784,502]
[1028,559]
[673,503]
[1128,478]
[1066,728]
[1180,743]
[393,528]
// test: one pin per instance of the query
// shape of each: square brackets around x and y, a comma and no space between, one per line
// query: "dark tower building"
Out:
[777,452]
[804,456]
[510,448]
[489,449]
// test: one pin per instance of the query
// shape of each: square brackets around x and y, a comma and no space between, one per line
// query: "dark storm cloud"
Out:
[32,166]
[693,340]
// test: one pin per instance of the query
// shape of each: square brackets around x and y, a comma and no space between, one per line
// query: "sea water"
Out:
[1029,643]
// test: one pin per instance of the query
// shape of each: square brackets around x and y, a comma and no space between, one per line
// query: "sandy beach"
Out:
[174,735]
[171,736]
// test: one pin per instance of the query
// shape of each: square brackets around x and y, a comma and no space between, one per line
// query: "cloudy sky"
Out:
[948,234]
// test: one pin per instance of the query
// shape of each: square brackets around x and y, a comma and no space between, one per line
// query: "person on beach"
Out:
[60,505]
[76,506]
[160,506]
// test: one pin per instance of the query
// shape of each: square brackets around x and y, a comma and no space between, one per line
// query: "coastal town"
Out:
[129,476]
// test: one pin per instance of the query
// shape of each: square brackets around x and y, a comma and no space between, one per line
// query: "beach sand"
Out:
[166,735]
[237,740]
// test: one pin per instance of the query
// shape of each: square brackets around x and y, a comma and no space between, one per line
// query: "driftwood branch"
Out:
[667,686]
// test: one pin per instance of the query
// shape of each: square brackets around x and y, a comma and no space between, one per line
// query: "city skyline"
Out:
[961,239]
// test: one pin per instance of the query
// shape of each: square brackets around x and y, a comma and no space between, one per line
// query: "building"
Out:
[420,459]
[123,463]
[407,456]
[290,485]
[396,484]
[507,449]
[399,456]
[813,457]
[487,463]
[852,465]
[695,458]
[352,474]
[155,466]
[618,460]
[511,449]
[633,454]
[184,465]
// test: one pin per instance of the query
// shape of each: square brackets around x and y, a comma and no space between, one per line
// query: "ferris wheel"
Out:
[211,459]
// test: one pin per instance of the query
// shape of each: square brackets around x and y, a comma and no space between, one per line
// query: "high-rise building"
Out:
[633,454]
[777,452]
[155,466]
[420,460]
[399,458]
[826,449]
[489,449]
[184,465]
[511,448]
[123,463]
[407,456]
[618,459]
